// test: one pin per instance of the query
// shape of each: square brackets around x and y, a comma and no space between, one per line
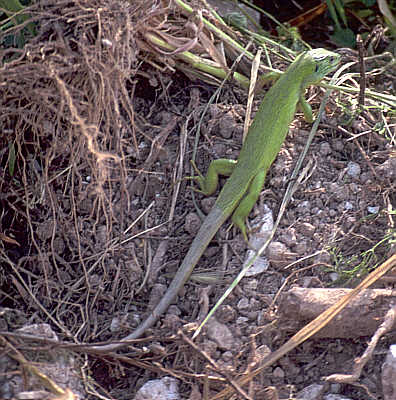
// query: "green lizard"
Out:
[241,191]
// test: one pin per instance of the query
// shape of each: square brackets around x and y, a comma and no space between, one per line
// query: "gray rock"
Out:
[388,376]
[353,169]
[243,304]
[166,388]
[220,333]
[325,148]
[311,392]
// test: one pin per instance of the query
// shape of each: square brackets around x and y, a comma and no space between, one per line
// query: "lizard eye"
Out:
[316,68]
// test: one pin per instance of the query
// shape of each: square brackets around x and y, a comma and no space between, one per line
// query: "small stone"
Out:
[166,388]
[192,223]
[255,304]
[338,145]
[227,125]
[62,368]
[315,210]
[301,247]
[243,304]
[317,237]
[174,310]
[307,281]
[319,203]
[277,182]
[335,397]
[171,322]
[115,324]
[156,294]
[323,257]
[221,334]
[334,276]
[238,131]
[207,204]
[366,178]
[252,315]
[311,392]
[306,229]
[340,192]
[304,207]
[278,373]
[262,351]
[373,210]
[242,321]
[289,367]
[335,388]
[220,149]
[215,111]
[289,237]
[325,149]
[226,313]
[251,285]
[388,375]
[387,169]
[276,251]
[227,356]
[355,188]
[333,212]
[350,221]
[44,229]
[279,255]
[259,266]
[353,169]
[209,347]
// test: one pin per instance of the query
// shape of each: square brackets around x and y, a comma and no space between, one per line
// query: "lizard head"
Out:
[320,62]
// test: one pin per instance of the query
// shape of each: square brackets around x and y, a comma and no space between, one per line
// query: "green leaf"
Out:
[344,38]
[368,3]
[341,11]
[12,9]
[236,20]
[333,14]
[364,13]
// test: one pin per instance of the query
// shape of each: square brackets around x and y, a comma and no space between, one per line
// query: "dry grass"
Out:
[68,111]
[69,138]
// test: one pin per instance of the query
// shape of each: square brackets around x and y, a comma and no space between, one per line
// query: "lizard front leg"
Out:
[306,108]
[208,184]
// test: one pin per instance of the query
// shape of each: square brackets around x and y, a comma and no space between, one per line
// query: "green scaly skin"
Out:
[247,175]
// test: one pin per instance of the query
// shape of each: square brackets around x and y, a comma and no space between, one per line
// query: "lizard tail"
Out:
[208,229]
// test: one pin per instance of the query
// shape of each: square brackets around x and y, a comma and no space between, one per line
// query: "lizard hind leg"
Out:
[247,203]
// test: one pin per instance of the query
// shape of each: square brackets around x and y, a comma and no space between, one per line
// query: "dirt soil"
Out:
[97,215]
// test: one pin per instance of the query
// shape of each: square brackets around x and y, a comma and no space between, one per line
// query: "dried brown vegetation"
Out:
[74,197]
